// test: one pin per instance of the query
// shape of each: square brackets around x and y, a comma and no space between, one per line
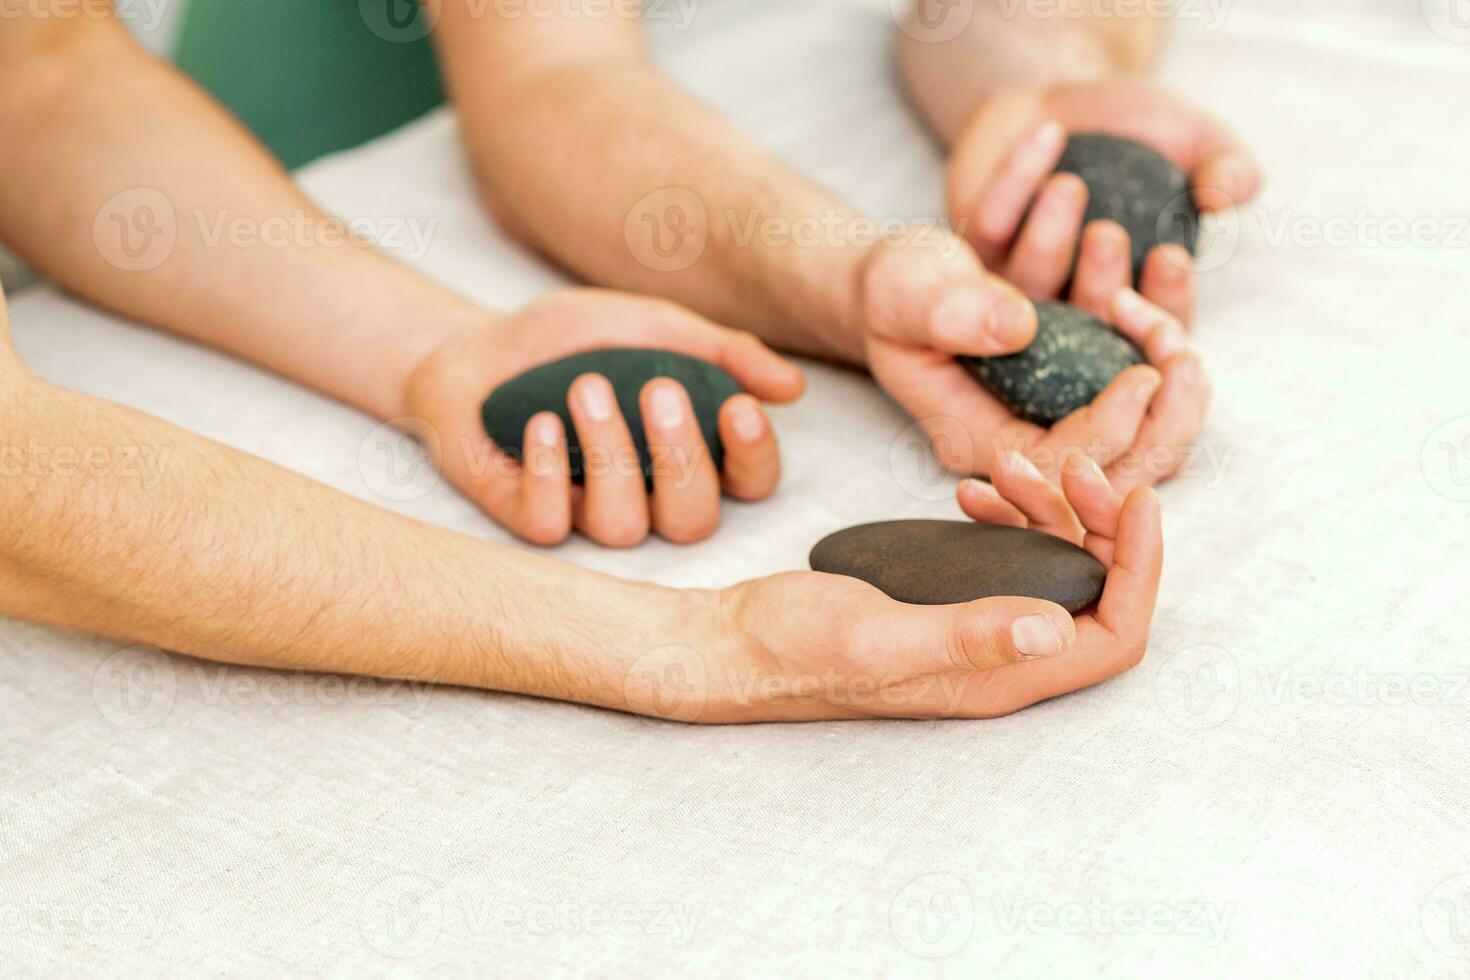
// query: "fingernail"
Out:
[1036,636]
[1145,391]
[958,314]
[1018,465]
[546,429]
[749,424]
[1128,304]
[982,488]
[1004,319]
[1235,174]
[1170,342]
[597,398]
[666,407]
[1048,135]
[1092,470]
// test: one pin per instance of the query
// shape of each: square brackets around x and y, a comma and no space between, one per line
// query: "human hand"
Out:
[1026,222]
[808,646]
[923,304]
[535,498]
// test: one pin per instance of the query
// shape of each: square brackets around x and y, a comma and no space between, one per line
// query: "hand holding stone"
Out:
[617,502]
[806,646]
[1026,219]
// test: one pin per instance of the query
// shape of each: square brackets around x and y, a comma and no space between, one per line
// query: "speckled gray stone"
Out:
[1137,187]
[936,563]
[1073,358]
[544,389]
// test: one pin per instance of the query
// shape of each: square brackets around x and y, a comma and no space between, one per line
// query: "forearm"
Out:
[1020,45]
[118,524]
[130,187]
[593,155]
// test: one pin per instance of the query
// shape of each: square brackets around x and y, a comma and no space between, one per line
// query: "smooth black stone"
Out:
[1137,187]
[1073,358]
[544,389]
[935,563]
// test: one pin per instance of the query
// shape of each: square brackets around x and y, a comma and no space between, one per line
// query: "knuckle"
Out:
[974,645]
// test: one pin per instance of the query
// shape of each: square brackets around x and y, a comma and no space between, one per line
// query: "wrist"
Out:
[570,634]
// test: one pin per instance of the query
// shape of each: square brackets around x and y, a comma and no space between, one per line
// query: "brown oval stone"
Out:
[936,563]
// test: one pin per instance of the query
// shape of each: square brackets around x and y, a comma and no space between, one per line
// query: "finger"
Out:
[757,368]
[760,370]
[1041,262]
[1226,177]
[613,509]
[1175,417]
[967,638]
[1109,425]
[544,506]
[982,502]
[1043,503]
[944,299]
[686,488]
[1104,266]
[1002,206]
[752,459]
[1097,505]
[1158,333]
[1127,603]
[1110,641]
[965,424]
[1168,281]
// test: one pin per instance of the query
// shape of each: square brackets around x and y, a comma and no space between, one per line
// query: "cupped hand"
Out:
[1026,222]
[929,299]
[535,497]
[809,646]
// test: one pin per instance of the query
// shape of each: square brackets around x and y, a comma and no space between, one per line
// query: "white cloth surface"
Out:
[1280,789]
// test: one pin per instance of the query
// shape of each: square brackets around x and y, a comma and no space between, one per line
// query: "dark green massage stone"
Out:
[544,389]
[935,563]
[1137,187]
[1073,358]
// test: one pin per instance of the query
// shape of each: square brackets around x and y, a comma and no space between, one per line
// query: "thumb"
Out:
[931,291]
[973,636]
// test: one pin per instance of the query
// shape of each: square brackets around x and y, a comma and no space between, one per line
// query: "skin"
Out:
[88,115]
[903,307]
[230,558]
[1003,95]
[224,556]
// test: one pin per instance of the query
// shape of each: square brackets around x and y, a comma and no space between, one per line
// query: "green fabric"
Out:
[309,77]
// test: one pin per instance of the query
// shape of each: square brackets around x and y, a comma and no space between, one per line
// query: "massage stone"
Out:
[942,562]
[1137,187]
[544,389]
[1073,358]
